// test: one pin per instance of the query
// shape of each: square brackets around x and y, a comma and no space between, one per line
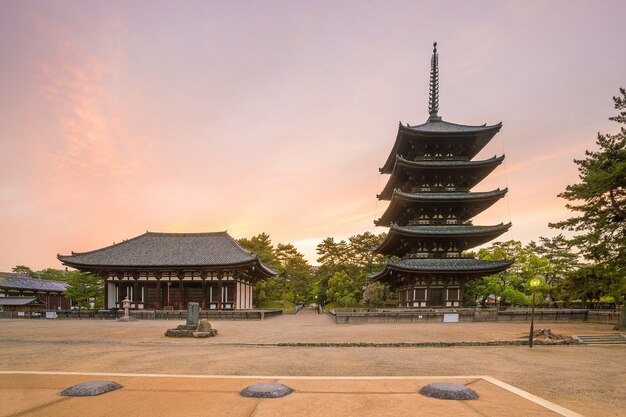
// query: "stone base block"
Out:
[186,327]
[179,333]
[210,333]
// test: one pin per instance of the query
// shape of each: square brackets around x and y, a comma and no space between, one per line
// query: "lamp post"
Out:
[533,284]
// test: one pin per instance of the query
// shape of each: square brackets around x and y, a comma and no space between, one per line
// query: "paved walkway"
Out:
[151,395]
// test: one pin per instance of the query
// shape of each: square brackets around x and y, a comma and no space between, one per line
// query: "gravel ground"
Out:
[590,380]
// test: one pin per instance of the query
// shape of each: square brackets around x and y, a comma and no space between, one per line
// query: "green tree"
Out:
[598,201]
[261,244]
[332,254]
[294,277]
[360,252]
[84,289]
[295,273]
[343,288]
[376,294]
[22,269]
[52,274]
[511,286]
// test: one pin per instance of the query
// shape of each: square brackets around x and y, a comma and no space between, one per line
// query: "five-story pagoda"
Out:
[432,173]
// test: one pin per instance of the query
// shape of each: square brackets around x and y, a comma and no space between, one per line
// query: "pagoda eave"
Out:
[472,236]
[470,268]
[439,131]
[474,203]
[403,168]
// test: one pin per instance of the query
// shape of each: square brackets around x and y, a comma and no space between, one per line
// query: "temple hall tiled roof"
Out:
[25,282]
[168,249]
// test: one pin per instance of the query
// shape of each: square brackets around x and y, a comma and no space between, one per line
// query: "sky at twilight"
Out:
[118,117]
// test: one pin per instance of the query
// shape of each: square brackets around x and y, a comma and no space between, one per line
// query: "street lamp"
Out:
[533,284]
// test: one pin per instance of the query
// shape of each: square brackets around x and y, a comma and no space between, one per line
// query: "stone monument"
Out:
[193,327]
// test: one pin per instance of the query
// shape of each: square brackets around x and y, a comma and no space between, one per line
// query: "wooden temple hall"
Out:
[432,173]
[168,270]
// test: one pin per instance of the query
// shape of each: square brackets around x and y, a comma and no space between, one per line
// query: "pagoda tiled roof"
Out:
[444,266]
[469,236]
[437,230]
[441,126]
[479,200]
[26,282]
[450,196]
[448,164]
[162,250]
[402,165]
[440,130]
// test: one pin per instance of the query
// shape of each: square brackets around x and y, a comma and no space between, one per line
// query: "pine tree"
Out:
[599,201]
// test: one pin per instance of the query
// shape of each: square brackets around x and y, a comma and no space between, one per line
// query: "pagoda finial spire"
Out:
[433,98]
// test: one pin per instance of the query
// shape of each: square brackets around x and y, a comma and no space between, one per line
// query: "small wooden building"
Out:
[21,304]
[51,293]
[168,270]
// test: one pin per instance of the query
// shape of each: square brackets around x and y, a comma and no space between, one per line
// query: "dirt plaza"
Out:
[587,379]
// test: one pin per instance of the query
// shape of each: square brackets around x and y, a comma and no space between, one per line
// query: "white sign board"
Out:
[451,317]
[51,314]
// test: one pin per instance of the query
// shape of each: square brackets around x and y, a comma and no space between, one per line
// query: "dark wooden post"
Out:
[183,301]
[220,275]
[106,290]
[135,299]
[203,301]
[235,290]
[159,303]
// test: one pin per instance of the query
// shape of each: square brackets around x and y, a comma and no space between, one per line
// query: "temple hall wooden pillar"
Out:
[220,275]
[236,290]
[135,300]
[203,301]
[183,301]
[105,277]
[159,303]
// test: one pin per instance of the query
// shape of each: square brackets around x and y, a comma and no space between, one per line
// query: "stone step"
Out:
[605,339]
